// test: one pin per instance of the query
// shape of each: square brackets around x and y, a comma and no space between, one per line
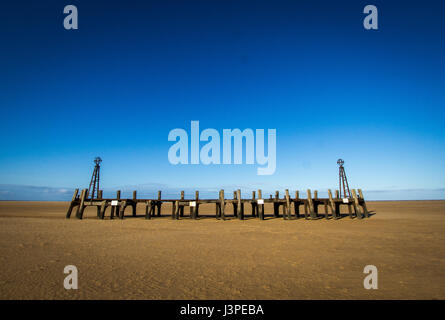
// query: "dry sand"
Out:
[210,259]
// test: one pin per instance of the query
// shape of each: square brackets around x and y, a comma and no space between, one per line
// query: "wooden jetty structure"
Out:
[332,204]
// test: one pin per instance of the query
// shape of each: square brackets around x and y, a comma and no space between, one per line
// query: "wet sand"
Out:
[210,259]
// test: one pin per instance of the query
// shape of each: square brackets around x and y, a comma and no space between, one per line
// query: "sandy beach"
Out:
[136,258]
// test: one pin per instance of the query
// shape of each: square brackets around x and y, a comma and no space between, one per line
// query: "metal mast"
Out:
[95,178]
[342,180]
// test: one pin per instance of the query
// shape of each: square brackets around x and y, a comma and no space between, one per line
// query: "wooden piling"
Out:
[254,205]
[332,205]
[181,209]
[365,209]
[134,204]
[159,204]
[174,209]
[148,209]
[72,204]
[310,205]
[356,204]
[240,205]
[81,208]
[276,206]
[197,204]
[297,204]
[103,207]
[260,206]
[122,207]
[235,205]
[222,204]
[287,206]
[217,208]
[315,203]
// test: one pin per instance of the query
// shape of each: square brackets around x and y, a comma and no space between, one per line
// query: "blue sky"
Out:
[135,70]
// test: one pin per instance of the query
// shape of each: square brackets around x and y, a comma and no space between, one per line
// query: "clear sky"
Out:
[134,70]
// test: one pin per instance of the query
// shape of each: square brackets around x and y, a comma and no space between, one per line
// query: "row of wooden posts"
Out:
[356,205]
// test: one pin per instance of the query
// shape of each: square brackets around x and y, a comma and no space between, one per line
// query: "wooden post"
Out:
[350,211]
[287,206]
[177,210]
[276,205]
[100,194]
[134,204]
[197,204]
[222,204]
[254,205]
[159,204]
[315,203]
[297,204]
[326,208]
[115,208]
[332,205]
[72,204]
[217,208]
[81,208]
[363,203]
[122,209]
[235,205]
[311,205]
[174,209]
[356,205]
[103,207]
[148,209]
[260,206]
[337,194]
[240,211]
[181,212]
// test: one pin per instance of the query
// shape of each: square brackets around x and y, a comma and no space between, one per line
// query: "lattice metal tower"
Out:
[94,183]
[342,180]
